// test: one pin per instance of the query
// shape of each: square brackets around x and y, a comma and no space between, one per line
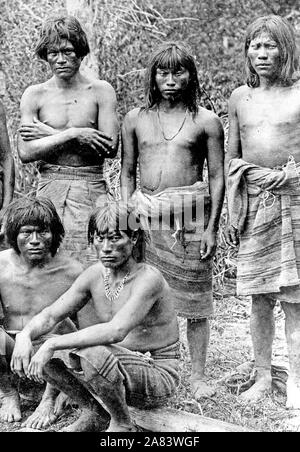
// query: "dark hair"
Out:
[283,34]
[117,215]
[172,55]
[35,212]
[65,27]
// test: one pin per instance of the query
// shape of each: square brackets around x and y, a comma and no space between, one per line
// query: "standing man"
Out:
[264,195]
[69,126]
[172,136]
[32,276]
[127,349]
[7,168]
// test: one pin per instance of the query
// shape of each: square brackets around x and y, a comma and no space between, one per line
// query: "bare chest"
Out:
[65,110]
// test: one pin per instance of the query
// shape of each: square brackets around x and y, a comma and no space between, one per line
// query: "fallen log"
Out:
[171,420]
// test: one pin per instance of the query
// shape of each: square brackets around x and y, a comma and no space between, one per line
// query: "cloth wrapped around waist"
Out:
[49,171]
[246,179]
[175,219]
[185,206]
[269,223]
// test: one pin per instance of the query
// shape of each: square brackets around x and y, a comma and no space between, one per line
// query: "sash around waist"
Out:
[48,171]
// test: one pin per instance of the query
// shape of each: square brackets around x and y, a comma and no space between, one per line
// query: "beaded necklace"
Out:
[113,295]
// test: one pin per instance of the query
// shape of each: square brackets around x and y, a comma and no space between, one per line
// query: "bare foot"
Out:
[43,416]
[257,392]
[89,421]
[201,389]
[61,403]
[293,395]
[115,427]
[10,410]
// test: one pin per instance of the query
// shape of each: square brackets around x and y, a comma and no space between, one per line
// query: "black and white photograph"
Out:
[149,218]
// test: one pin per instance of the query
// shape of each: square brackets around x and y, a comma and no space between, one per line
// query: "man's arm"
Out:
[6,161]
[147,289]
[38,149]
[215,162]
[234,139]
[44,322]
[129,155]
[234,151]
[107,118]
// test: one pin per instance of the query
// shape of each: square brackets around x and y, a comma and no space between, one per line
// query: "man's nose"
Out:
[262,52]
[170,79]
[106,246]
[35,237]
[61,57]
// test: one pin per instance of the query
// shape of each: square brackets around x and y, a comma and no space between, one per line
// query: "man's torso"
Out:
[66,108]
[158,329]
[25,293]
[169,163]
[269,123]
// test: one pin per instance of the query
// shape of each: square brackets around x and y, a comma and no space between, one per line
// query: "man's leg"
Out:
[10,410]
[93,417]
[262,332]
[292,330]
[198,334]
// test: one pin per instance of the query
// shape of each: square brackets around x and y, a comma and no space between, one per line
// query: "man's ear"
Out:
[135,237]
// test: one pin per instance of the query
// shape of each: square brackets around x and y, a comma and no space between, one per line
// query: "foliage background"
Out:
[125,31]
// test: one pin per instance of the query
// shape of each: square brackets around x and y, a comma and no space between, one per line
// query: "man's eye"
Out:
[68,52]
[98,238]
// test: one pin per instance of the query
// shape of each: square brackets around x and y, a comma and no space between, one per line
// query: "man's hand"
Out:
[232,236]
[21,356]
[38,362]
[208,244]
[36,130]
[99,141]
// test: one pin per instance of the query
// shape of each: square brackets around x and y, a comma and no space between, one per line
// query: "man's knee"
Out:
[263,302]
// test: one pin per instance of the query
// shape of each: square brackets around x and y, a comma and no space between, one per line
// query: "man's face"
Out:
[114,248]
[34,243]
[170,83]
[264,56]
[63,61]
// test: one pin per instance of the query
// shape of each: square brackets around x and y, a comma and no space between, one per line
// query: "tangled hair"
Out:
[58,28]
[281,31]
[34,212]
[172,56]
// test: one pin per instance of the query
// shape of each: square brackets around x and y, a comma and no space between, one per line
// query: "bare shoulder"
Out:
[7,260]
[71,267]
[131,118]
[238,94]
[151,278]
[33,93]
[103,90]
[210,121]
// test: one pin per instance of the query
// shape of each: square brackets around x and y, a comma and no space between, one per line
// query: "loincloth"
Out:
[75,192]
[177,218]
[269,225]
[150,379]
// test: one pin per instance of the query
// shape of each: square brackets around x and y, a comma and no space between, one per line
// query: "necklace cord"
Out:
[178,131]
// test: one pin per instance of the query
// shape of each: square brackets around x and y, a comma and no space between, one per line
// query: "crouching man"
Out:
[32,276]
[127,349]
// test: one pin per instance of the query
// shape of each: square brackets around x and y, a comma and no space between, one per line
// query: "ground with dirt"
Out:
[230,346]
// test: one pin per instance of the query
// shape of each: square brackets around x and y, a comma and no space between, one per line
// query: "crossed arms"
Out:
[38,140]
